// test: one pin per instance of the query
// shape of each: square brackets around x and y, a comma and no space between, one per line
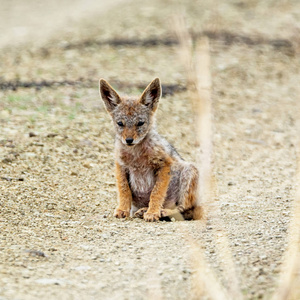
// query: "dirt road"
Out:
[58,239]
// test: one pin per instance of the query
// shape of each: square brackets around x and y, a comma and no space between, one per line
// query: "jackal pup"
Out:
[153,181]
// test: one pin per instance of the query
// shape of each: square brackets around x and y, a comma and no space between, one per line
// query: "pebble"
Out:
[32,134]
[82,268]
[4,114]
[261,279]
[28,155]
[87,165]
[50,281]
[7,160]
[36,253]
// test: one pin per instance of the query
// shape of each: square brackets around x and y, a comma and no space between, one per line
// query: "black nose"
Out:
[129,141]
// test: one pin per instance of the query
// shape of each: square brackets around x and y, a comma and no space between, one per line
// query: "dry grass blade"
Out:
[288,288]
[154,290]
[204,278]
[204,131]
[199,82]
[185,48]
[202,103]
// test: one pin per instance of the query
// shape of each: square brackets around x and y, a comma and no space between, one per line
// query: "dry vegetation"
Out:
[58,238]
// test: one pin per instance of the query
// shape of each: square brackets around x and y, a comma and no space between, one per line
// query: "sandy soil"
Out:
[58,238]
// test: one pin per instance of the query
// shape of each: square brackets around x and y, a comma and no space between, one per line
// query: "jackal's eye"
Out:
[140,123]
[121,124]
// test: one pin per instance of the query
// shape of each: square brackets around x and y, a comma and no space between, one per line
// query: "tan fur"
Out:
[158,194]
[152,179]
[124,193]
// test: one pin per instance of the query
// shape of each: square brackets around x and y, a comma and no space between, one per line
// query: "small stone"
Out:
[86,143]
[4,114]
[260,294]
[52,249]
[28,155]
[87,165]
[32,134]
[50,206]
[230,183]
[51,135]
[82,268]
[6,160]
[36,253]
[50,281]
[261,279]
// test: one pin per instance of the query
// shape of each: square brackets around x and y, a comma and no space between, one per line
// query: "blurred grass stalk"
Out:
[289,281]
[197,67]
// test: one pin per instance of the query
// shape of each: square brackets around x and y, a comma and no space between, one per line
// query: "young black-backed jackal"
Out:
[153,181]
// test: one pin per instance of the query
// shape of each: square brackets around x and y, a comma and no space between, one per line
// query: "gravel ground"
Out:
[58,238]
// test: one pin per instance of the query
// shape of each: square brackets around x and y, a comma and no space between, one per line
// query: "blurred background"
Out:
[57,194]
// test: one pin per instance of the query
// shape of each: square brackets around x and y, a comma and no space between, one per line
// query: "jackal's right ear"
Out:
[109,95]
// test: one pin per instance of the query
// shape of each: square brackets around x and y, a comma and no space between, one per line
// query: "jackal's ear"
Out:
[109,95]
[151,94]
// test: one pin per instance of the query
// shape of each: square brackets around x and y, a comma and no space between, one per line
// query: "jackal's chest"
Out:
[141,180]
[141,173]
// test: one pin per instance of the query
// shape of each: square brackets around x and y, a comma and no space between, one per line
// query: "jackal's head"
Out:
[132,117]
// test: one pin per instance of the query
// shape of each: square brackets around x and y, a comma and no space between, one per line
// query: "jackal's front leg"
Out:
[158,194]
[124,193]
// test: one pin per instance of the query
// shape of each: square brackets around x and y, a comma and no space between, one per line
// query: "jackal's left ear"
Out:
[151,94]
[109,95]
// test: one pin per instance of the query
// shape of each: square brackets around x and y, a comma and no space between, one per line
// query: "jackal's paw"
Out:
[151,217]
[166,212]
[121,213]
[140,213]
